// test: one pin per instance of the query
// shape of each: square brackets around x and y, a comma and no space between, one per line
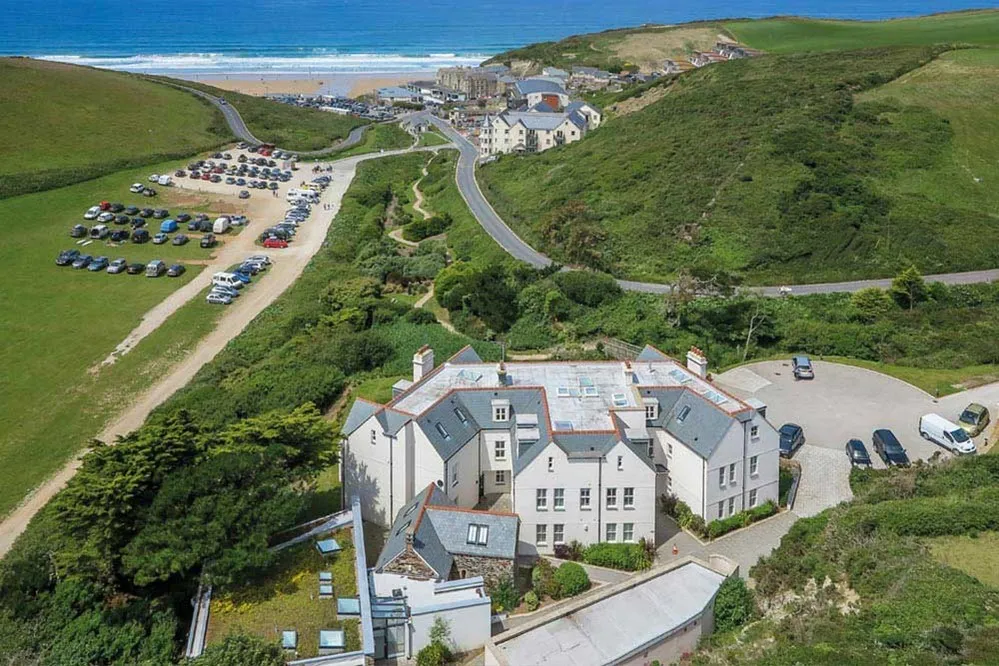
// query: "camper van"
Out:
[165,180]
[155,268]
[309,195]
[948,435]
[221,225]
[227,280]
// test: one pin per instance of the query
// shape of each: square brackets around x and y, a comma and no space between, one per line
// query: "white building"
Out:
[579,450]
[535,130]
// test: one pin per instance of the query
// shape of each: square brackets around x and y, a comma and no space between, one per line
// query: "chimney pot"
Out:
[423,363]
[697,362]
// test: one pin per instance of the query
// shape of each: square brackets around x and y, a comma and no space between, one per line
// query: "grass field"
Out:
[380,137]
[288,599]
[63,124]
[59,322]
[432,138]
[978,556]
[795,35]
[289,127]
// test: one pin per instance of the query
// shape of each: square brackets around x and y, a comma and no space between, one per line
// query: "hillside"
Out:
[63,124]
[778,168]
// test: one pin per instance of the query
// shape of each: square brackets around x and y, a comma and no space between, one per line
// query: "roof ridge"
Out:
[443,507]
[423,507]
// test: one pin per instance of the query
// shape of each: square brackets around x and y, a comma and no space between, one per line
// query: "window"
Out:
[731,505]
[683,414]
[584,499]
[558,533]
[652,449]
[541,535]
[650,412]
[500,477]
[620,463]
[721,477]
[669,449]
[542,499]
[611,532]
[500,449]
[612,498]
[454,474]
[629,498]
[551,464]
[461,416]
[443,431]
[721,508]
[731,473]
[478,534]
[752,498]
[754,432]
[628,532]
[501,412]
[754,466]
[558,499]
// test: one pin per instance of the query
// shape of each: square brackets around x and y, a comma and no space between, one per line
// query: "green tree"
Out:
[908,288]
[572,230]
[871,304]
[734,604]
[572,579]
[241,650]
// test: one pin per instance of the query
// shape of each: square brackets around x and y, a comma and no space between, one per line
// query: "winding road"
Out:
[518,249]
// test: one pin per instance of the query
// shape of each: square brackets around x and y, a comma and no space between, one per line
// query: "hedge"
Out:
[929,516]
[625,556]
[716,528]
[419,229]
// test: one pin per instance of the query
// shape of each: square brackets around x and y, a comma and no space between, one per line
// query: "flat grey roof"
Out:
[616,626]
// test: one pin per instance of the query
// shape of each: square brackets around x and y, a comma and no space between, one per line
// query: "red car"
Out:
[206,176]
[275,243]
[105,205]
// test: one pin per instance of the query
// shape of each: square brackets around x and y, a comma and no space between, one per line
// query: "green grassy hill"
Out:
[63,124]
[783,168]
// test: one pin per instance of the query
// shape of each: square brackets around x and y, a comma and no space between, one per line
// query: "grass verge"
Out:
[976,556]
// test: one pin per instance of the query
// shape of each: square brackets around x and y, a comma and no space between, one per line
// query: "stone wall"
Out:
[410,564]
[492,569]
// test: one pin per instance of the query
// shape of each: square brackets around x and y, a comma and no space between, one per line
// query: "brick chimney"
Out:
[697,362]
[423,362]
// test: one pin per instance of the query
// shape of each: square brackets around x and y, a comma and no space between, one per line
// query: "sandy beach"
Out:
[352,84]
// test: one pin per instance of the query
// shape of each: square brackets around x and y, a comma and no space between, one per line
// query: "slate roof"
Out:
[466,355]
[528,86]
[451,525]
[360,412]
[535,121]
[425,541]
[703,426]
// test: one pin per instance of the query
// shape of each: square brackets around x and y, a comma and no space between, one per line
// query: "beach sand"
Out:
[350,84]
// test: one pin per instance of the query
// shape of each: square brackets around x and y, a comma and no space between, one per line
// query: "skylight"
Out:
[478,534]
[563,425]
[442,430]
[683,414]
[470,375]
[461,415]
[620,400]
[590,391]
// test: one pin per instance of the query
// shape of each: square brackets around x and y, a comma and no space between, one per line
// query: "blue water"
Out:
[356,35]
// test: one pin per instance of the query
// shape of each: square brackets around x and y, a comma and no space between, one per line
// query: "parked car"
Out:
[98,264]
[155,268]
[179,173]
[137,188]
[207,241]
[974,418]
[146,212]
[160,238]
[140,236]
[119,235]
[259,258]
[857,453]
[99,231]
[153,178]
[67,257]
[82,261]
[216,298]
[230,181]
[182,218]
[116,207]
[228,291]
[887,446]
[78,231]
[802,367]
[949,435]
[122,219]
[244,194]
[792,437]
[136,268]
[160,213]
[117,266]
[149,192]
[105,217]
[132,210]
[245,278]
[176,270]
[168,226]
[180,239]
[138,222]
[273,186]
[275,243]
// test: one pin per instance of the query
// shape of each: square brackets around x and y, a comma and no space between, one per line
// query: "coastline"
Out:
[346,84]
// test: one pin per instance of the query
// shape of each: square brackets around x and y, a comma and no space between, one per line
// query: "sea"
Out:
[211,38]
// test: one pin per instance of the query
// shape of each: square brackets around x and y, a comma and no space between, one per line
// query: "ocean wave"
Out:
[220,63]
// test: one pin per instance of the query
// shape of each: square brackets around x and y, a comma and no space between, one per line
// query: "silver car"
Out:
[216,298]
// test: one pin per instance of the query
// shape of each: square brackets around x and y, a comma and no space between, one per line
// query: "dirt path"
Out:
[418,204]
[396,235]
[288,265]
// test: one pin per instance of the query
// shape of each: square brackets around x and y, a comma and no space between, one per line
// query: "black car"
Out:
[140,236]
[180,239]
[119,235]
[886,445]
[182,218]
[149,192]
[138,223]
[82,261]
[121,219]
[857,453]
[67,257]
[117,207]
[146,212]
[78,231]
[208,240]
[791,439]
[176,270]
[161,213]
[131,210]
[135,269]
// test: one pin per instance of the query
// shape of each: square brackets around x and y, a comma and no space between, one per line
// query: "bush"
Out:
[504,595]
[734,604]
[572,579]
[588,288]
[543,579]
[435,654]
[716,528]
[531,600]
[572,551]
[420,316]
[419,229]
[624,556]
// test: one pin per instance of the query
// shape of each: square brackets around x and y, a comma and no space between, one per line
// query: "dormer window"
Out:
[651,409]
[501,411]
[478,534]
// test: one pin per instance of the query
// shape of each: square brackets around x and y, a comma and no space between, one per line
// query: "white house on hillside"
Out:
[579,450]
[536,129]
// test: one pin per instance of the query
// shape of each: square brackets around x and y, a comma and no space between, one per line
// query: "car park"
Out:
[140,236]
[117,266]
[951,436]
[160,238]
[78,231]
[792,438]
[887,446]
[207,241]
[82,261]
[217,298]
[98,264]
[155,268]
[180,239]
[136,268]
[974,418]
[67,257]
[176,270]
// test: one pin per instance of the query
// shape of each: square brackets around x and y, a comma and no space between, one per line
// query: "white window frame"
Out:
[620,463]
[558,499]
[610,533]
[721,509]
[541,499]
[650,412]
[731,505]
[541,534]
[628,501]
[501,413]
[584,499]
[499,449]
[611,496]
[754,466]
[558,533]
[628,532]
[731,474]
[752,498]
[754,432]
[501,477]
[478,535]
[721,477]
[374,437]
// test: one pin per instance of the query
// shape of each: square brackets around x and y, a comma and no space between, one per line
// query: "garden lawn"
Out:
[432,138]
[59,322]
[63,124]
[976,556]
[379,137]
[288,598]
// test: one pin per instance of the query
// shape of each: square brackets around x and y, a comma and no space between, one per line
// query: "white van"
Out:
[221,225]
[295,193]
[948,435]
[227,280]
[165,180]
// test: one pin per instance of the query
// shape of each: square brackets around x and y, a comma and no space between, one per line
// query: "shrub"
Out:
[531,600]
[588,288]
[435,654]
[734,604]
[571,579]
[543,579]
[504,595]
[624,556]
[716,528]
[420,316]
[419,229]
[572,551]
